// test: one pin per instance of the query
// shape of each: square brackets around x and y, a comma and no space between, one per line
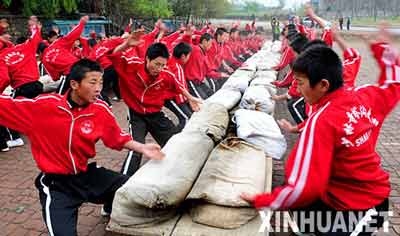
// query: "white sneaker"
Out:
[104,212]
[5,149]
[15,143]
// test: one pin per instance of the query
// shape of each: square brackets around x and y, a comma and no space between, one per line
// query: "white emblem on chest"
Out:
[87,126]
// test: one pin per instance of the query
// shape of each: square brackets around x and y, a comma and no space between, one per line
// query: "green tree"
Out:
[154,8]
[6,3]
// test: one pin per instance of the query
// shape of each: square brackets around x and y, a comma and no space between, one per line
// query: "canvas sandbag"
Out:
[127,214]
[222,216]
[261,129]
[258,98]
[212,120]
[165,184]
[232,168]
[229,98]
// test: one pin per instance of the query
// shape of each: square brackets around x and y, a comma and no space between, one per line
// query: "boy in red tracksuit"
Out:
[148,40]
[58,57]
[145,85]
[198,67]
[351,67]
[100,54]
[179,104]
[334,165]
[64,130]
[23,75]
[220,58]
[235,45]
[295,101]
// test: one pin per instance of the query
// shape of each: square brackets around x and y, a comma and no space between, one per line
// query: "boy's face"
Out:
[185,58]
[235,35]
[311,94]
[207,44]
[155,66]
[88,90]
[52,39]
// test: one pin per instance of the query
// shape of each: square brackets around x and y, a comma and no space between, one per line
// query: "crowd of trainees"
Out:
[332,167]
[200,62]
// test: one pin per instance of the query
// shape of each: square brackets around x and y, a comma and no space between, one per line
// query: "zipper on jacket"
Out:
[70,135]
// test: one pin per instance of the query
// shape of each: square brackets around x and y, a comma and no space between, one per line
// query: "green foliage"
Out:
[155,8]
[6,3]
[47,8]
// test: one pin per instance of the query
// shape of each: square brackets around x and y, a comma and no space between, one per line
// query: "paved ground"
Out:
[20,212]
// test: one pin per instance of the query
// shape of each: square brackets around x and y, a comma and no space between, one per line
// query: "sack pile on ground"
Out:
[211,177]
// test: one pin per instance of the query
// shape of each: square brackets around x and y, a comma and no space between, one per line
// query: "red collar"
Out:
[331,96]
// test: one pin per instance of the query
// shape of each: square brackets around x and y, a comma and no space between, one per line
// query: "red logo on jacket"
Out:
[87,127]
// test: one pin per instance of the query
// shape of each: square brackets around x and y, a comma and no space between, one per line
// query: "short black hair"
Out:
[42,46]
[315,42]
[51,34]
[81,67]
[243,33]
[157,50]
[220,31]
[205,36]
[298,42]
[318,63]
[234,30]
[21,39]
[292,31]
[182,49]
[92,42]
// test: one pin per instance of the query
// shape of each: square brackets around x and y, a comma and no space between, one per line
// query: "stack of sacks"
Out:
[239,80]
[254,120]
[233,167]
[153,193]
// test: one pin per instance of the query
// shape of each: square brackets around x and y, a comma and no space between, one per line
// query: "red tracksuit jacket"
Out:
[227,55]
[62,139]
[215,55]
[287,57]
[327,37]
[175,66]
[335,160]
[21,62]
[198,66]
[5,44]
[4,78]
[100,51]
[58,58]
[148,40]
[140,91]
[351,66]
